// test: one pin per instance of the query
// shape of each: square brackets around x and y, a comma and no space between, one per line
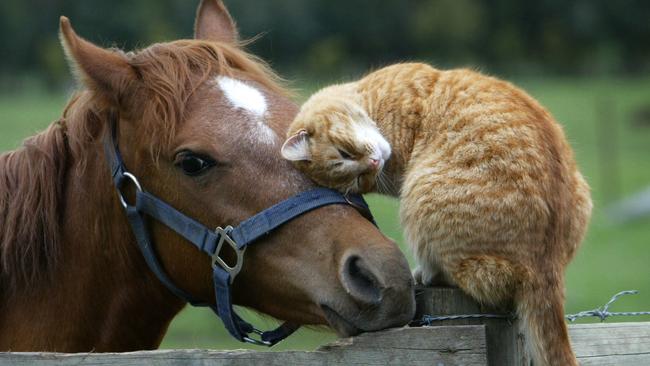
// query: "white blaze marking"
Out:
[242,95]
[248,98]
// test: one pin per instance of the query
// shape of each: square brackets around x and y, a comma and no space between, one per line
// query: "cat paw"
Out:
[429,276]
[423,276]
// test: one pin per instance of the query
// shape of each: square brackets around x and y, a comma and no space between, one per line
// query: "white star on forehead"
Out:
[242,95]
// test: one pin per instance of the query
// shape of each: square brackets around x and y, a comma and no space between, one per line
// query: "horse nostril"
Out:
[360,282]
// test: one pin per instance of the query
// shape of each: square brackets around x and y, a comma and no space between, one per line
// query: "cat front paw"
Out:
[429,276]
[423,276]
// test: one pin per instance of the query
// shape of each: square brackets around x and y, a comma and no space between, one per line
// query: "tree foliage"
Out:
[345,36]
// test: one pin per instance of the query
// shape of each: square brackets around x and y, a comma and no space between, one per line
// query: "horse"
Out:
[200,123]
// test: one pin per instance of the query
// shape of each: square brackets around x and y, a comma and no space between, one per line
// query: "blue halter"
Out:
[212,242]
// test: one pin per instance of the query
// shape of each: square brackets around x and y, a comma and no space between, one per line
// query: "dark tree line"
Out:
[337,37]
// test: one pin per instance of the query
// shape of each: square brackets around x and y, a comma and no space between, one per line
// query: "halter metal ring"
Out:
[364,211]
[224,237]
[134,180]
[257,342]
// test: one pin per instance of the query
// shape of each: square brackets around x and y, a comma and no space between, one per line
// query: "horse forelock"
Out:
[172,73]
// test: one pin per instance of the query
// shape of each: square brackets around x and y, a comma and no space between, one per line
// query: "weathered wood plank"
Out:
[456,345]
[449,346]
[611,343]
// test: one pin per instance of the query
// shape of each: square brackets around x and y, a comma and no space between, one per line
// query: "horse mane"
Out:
[32,177]
[31,185]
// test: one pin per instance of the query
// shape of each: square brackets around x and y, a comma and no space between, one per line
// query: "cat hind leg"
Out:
[496,281]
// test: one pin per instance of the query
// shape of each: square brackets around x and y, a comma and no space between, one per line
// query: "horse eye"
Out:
[193,164]
[344,155]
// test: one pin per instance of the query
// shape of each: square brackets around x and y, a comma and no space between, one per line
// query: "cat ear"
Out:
[296,148]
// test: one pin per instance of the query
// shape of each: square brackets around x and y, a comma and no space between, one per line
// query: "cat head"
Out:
[335,142]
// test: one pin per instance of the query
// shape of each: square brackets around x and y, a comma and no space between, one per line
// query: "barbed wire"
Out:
[602,313]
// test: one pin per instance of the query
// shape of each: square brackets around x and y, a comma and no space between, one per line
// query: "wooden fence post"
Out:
[505,343]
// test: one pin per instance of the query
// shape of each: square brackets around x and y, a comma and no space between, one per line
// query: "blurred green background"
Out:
[587,61]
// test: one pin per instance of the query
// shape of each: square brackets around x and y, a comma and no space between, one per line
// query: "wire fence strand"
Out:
[602,313]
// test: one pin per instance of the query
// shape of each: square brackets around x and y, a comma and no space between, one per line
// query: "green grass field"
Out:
[612,258]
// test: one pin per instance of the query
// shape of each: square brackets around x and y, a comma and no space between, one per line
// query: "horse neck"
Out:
[135,305]
[100,295]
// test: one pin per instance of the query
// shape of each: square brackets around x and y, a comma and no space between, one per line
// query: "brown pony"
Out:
[201,123]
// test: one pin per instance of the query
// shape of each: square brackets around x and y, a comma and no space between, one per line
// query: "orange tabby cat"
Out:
[491,198]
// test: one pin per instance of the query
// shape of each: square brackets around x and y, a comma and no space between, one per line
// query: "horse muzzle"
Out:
[379,289]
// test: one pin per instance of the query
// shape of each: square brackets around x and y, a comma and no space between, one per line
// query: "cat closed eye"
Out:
[344,154]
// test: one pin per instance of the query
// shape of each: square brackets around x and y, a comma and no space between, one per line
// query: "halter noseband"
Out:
[211,242]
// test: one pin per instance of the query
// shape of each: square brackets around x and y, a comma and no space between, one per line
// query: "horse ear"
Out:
[296,148]
[108,72]
[213,23]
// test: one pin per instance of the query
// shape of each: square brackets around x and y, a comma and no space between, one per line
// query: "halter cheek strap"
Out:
[212,242]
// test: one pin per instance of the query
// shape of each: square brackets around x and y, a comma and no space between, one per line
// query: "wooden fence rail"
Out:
[494,342]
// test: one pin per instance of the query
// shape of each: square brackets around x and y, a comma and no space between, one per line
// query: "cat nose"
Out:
[374,163]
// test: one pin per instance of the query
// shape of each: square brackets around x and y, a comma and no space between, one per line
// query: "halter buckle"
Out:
[224,237]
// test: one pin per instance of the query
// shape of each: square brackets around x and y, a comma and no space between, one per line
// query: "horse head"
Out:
[201,123]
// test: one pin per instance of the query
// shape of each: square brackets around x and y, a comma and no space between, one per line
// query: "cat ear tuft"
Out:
[296,148]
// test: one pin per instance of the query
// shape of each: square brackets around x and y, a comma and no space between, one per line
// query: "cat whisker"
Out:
[385,184]
[389,182]
[379,182]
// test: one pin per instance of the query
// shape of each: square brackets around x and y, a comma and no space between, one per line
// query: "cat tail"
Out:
[541,313]
[539,298]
